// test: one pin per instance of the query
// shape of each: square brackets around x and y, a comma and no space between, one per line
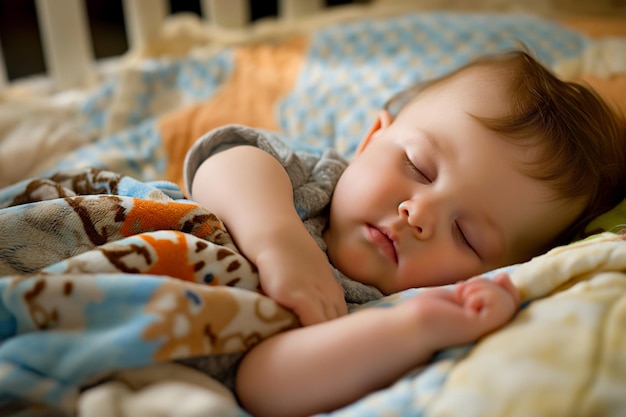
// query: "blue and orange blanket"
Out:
[101,272]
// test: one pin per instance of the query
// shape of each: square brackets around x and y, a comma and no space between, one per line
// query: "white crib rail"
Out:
[66,37]
[294,9]
[66,45]
[232,14]
[142,19]
[3,73]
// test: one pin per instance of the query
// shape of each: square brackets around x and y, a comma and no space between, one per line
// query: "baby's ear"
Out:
[383,119]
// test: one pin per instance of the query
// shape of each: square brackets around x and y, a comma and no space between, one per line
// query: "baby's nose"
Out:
[419,216]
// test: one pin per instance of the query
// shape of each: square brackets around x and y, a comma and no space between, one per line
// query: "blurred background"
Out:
[21,44]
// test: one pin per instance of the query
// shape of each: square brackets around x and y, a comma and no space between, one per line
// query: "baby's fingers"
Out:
[316,311]
[504,281]
[337,303]
[489,297]
[310,314]
[469,288]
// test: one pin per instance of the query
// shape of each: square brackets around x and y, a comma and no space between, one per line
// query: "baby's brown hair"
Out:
[582,140]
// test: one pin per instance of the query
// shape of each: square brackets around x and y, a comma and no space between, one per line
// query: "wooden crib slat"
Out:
[66,43]
[231,14]
[4,79]
[294,9]
[143,19]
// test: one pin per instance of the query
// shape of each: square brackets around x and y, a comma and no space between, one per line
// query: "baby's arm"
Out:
[251,193]
[323,367]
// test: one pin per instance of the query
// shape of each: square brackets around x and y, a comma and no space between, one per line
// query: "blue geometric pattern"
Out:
[158,86]
[136,151]
[187,80]
[353,68]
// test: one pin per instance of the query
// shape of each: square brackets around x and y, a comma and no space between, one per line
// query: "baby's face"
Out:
[436,197]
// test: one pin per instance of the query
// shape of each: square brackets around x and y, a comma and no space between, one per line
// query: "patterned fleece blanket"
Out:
[104,273]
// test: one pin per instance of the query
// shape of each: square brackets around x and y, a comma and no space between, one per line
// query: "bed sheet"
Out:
[561,356]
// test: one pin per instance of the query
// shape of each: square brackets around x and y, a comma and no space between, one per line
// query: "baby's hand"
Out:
[474,308]
[495,299]
[302,281]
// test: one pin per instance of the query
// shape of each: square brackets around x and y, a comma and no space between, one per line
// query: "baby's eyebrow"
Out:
[430,138]
[443,147]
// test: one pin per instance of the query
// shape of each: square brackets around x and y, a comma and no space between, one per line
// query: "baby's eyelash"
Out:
[415,169]
[461,236]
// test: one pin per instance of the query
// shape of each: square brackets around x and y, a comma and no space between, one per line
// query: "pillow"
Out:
[613,220]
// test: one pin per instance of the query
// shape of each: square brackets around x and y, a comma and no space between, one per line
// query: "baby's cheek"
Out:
[361,267]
